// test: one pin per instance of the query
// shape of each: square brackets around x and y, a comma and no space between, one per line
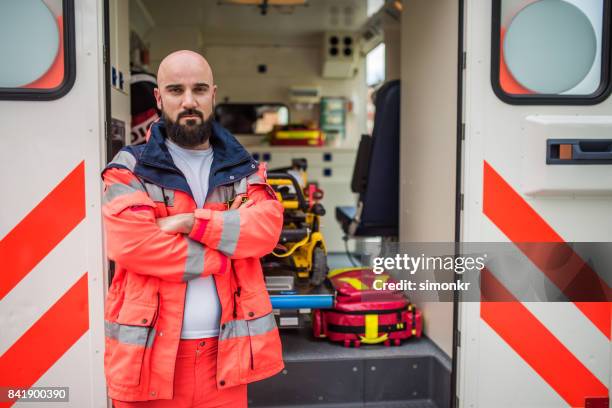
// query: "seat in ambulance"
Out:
[376,172]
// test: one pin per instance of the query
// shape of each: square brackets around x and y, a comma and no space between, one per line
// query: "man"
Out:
[188,321]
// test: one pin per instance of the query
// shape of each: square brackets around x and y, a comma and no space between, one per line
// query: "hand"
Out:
[176,224]
[237,202]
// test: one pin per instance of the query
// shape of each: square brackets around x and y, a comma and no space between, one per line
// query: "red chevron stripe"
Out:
[47,340]
[42,229]
[523,225]
[537,346]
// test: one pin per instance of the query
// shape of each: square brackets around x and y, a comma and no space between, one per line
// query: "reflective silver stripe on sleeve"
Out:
[242,328]
[123,333]
[230,233]
[126,159]
[194,265]
[119,189]
[157,194]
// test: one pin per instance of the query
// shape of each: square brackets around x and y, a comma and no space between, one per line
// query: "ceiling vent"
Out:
[339,54]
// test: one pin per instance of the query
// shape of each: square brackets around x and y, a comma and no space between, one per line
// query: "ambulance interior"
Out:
[299,80]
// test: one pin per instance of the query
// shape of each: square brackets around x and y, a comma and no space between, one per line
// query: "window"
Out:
[251,118]
[373,6]
[375,65]
[37,48]
[375,76]
[551,51]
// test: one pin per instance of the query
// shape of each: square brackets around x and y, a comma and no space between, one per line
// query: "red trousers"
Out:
[195,381]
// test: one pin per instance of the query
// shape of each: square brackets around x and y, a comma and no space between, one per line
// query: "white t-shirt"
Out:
[202,307]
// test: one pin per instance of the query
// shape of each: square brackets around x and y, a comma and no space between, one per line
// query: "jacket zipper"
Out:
[236,292]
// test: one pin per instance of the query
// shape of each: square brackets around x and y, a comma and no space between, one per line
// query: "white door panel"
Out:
[509,141]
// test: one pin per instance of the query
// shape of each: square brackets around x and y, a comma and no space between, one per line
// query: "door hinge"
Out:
[104,51]
[463,131]
[464,60]
[461,201]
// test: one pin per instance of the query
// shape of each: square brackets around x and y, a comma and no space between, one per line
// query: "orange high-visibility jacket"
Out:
[145,302]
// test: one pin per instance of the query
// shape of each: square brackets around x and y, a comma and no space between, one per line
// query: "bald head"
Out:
[185,90]
[184,63]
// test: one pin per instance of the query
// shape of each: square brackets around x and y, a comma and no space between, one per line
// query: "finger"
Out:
[236,203]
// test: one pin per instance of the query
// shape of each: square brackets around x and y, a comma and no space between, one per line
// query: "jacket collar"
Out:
[155,162]
[227,151]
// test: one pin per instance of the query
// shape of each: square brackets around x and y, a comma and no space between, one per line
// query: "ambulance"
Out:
[505,136]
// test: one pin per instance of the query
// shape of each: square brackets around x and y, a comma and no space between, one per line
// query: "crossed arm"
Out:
[183,223]
[182,247]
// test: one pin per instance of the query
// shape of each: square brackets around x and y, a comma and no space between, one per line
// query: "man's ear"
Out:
[158,98]
[214,97]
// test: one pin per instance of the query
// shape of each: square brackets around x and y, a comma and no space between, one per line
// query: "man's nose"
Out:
[189,102]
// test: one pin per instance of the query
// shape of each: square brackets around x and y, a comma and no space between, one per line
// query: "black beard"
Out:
[188,136]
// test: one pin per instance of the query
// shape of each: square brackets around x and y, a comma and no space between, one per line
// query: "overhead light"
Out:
[269,2]
[264,4]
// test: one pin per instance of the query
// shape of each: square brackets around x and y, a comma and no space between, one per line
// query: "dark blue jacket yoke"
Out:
[154,164]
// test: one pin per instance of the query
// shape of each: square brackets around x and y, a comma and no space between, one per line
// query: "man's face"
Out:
[186,97]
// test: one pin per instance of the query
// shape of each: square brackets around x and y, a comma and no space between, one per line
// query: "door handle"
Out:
[579,151]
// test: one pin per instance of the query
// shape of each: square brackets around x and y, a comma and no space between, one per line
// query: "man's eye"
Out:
[200,90]
[175,90]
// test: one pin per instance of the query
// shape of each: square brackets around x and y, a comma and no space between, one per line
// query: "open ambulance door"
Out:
[51,154]
[536,168]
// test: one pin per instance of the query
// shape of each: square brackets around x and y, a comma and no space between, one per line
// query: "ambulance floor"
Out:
[319,374]
[323,374]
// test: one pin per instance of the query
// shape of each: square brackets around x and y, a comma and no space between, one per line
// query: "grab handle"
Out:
[600,150]
[579,151]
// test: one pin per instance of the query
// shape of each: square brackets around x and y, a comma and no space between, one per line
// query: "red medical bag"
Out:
[363,314]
